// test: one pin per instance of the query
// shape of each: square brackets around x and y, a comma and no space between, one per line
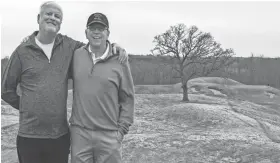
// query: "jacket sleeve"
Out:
[126,100]
[10,79]
[70,71]
[78,44]
[74,46]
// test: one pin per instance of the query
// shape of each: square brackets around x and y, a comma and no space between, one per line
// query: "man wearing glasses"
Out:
[41,66]
[103,104]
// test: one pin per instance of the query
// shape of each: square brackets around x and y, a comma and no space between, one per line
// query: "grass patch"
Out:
[169,130]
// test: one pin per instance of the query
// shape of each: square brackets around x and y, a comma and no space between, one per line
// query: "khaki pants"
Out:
[88,146]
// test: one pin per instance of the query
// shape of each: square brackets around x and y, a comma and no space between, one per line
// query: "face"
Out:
[97,34]
[50,18]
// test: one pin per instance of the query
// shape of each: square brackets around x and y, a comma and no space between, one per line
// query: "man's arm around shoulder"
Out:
[74,43]
[71,68]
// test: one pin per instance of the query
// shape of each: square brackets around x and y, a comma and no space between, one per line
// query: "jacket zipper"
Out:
[90,55]
[93,64]
[49,60]
[51,54]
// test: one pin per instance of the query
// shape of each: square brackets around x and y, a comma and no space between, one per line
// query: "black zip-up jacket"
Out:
[42,105]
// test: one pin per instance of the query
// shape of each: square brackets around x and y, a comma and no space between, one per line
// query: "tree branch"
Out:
[197,52]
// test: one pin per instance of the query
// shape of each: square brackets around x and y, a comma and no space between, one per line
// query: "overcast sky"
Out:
[252,26]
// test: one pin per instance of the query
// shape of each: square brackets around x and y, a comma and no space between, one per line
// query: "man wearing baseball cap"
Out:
[40,67]
[103,98]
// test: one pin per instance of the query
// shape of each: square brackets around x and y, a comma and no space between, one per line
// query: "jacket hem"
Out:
[42,136]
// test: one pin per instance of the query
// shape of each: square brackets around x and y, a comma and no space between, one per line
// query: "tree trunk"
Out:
[184,83]
[185,92]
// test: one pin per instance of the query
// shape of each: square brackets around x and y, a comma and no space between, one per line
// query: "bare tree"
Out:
[195,53]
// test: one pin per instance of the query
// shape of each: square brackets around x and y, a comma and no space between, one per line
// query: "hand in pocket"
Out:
[120,136]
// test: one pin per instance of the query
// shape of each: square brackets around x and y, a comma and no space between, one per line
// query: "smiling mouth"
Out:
[51,23]
[96,37]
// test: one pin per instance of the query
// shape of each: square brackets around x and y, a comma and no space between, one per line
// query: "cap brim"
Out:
[100,22]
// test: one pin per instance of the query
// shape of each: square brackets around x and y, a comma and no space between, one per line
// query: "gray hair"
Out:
[47,3]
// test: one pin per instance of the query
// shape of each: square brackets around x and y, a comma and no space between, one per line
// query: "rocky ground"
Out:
[217,127]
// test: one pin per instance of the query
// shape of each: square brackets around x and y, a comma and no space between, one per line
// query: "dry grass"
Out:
[209,129]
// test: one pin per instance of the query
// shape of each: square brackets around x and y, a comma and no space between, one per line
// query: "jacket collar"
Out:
[105,54]
[110,52]
[31,41]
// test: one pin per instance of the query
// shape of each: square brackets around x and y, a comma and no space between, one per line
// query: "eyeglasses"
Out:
[98,28]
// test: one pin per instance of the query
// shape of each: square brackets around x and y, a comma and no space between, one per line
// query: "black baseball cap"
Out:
[98,18]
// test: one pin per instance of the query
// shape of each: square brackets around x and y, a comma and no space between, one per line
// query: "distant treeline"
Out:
[150,70]
[253,70]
